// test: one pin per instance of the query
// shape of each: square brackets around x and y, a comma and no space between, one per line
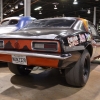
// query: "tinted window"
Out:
[82,27]
[51,23]
[5,23]
[13,22]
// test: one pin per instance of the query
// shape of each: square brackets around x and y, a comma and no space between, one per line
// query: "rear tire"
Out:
[19,69]
[77,74]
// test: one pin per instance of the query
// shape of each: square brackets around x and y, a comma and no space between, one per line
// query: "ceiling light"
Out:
[5,14]
[55,7]
[16,7]
[63,15]
[38,8]
[96,0]
[21,3]
[88,11]
[11,10]
[21,14]
[40,12]
[75,2]
[9,5]
[83,10]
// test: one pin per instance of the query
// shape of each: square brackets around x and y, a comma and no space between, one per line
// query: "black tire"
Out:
[19,69]
[77,74]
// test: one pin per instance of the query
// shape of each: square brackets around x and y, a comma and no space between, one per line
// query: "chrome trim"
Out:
[44,48]
[73,48]
[60,57]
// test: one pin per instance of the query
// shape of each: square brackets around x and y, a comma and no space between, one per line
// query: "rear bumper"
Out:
[36,59]
[51,56]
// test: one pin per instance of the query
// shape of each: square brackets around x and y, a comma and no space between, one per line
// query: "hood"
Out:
[7,29]
[40,33]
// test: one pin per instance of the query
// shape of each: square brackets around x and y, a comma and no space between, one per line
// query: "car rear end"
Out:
[39,44]
[54,44]
[46,53]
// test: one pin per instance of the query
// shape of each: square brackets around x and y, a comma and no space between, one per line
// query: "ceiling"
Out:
[65,8]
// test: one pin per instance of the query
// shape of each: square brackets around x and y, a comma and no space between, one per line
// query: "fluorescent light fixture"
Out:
[88,11]
[16,7]
[55,7]
[21,14]
[40,12]
[21,3]
[75,2]
[38,8]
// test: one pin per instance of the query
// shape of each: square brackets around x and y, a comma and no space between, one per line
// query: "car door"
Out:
[96,40]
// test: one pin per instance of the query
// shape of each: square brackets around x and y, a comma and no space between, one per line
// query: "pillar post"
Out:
[27,7]
[94,16]
[1,9]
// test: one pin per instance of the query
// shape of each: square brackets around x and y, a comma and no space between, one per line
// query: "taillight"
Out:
[1,44]
[45,46]
[50,46]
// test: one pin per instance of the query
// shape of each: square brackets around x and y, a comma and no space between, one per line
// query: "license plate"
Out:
[19,59]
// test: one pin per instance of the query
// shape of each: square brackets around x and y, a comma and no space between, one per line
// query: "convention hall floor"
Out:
[47,85]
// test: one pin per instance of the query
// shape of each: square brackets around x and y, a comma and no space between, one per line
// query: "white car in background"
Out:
[12,24]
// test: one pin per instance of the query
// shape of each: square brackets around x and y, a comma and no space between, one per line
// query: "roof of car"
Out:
[12,18]
[73,18]
[18,18]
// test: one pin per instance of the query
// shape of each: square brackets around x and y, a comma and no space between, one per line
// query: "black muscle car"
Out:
[65,43]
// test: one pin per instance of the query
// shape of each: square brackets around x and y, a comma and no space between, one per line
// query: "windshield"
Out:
[50,23]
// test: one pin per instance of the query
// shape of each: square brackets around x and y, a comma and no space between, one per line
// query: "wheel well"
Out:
[90,49]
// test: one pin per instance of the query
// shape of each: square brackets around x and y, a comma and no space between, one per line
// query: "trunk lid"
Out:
[50,33]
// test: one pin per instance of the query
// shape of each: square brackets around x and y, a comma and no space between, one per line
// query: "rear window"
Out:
[13,22]
[51,23]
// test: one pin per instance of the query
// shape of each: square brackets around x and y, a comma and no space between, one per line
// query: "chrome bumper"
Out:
[60,57]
